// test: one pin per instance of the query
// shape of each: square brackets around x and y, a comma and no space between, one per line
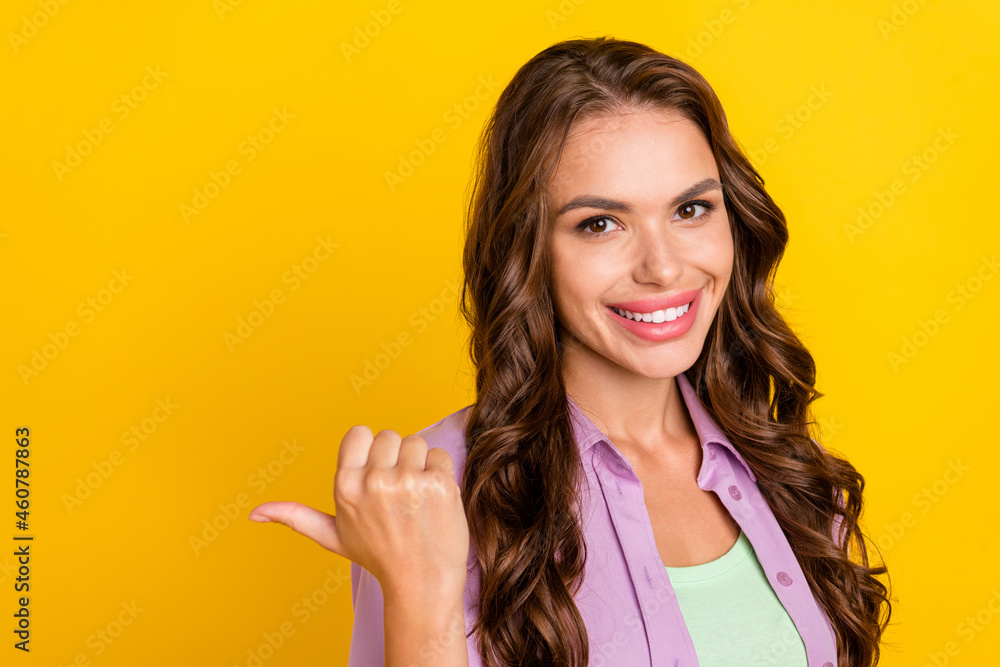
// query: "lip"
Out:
[663,330]
[649,305]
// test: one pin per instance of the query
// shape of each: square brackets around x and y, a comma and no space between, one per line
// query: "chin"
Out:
[668,362]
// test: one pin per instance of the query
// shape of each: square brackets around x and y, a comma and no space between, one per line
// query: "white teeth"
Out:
[657,316]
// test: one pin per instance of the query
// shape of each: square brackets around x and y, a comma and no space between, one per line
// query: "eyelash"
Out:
[582,227]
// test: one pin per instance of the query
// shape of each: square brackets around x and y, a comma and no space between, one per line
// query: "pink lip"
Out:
[663,330]
[649,305]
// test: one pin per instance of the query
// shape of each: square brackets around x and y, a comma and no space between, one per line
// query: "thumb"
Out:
[318,526]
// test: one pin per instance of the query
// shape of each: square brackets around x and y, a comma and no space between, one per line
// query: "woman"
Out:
[637,481]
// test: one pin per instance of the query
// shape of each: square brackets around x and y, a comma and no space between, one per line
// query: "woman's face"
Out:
[637,223]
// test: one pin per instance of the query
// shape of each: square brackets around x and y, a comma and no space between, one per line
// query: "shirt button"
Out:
[828,664]
[711,452]
[784,579]
[735,492]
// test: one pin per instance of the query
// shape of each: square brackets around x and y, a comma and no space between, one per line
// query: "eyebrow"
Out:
[594,201]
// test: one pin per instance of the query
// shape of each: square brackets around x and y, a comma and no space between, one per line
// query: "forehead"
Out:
[636,155]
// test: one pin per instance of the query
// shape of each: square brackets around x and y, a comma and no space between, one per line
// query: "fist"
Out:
[399,514]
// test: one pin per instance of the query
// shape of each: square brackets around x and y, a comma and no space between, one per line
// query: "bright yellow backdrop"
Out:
[173,170]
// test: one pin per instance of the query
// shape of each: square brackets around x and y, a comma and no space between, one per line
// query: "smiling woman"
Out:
[635,483]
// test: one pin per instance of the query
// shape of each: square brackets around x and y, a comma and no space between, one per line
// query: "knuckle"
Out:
[439,481]
[377,480]
[346,488]
[407,484]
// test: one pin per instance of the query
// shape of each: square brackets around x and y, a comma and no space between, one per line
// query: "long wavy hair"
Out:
[522,476]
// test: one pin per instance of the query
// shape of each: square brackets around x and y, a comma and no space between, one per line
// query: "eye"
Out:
[688,211]
[597,225]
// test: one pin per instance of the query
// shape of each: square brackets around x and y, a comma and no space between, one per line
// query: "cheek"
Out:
[715,255]
[566,294]
[729,255]
[572,286]
[726,256]
[558,286]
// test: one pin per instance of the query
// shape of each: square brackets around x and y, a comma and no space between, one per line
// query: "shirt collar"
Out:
[587,434]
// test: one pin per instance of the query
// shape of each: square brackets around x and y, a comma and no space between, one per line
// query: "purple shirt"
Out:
[626,599]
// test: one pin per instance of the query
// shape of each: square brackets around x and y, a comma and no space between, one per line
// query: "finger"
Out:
[440,459]
[385,449]
[354,447]
[413,453]
[318,526]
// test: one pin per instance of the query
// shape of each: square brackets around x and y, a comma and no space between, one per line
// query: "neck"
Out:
[640,414]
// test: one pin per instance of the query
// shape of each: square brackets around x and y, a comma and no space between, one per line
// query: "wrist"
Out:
[424,594]
[425,632]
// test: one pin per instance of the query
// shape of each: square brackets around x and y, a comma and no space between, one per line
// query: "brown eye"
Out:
[596,226]
[689,211]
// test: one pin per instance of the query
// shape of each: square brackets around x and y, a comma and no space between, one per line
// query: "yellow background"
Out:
[892,76]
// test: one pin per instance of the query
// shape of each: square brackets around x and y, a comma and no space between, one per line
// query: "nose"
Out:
[656,256]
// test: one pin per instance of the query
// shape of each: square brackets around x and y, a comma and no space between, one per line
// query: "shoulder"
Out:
[448,433]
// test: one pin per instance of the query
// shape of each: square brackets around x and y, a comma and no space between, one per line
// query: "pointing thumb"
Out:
[318,526]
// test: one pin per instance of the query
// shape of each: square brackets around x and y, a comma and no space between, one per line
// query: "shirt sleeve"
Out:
[367,638]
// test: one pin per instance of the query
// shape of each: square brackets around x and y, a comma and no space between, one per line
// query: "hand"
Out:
[399,514]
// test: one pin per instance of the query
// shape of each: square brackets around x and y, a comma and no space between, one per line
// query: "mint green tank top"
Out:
[756,630]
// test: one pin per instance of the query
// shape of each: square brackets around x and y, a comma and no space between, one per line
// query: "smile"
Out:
[657,316]
[658,319]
